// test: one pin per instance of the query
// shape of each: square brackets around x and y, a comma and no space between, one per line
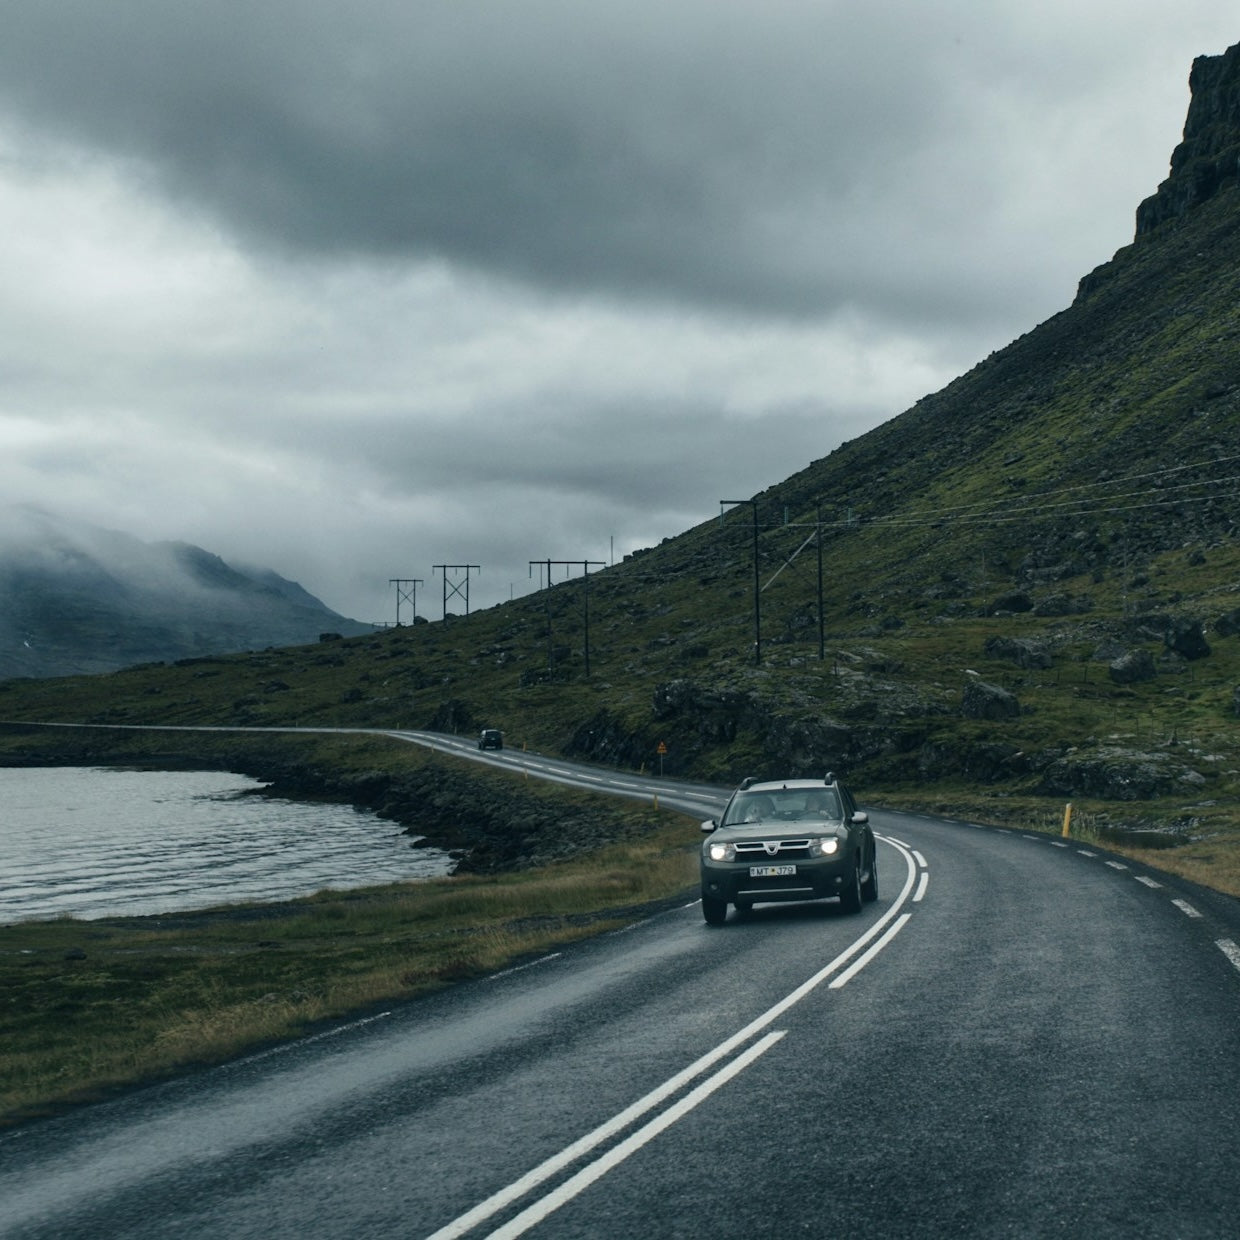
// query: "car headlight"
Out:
[828,846]
[717,850]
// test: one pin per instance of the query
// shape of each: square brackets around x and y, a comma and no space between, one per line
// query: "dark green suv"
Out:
[792,839]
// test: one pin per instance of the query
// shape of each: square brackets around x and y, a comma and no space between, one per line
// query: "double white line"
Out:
[876,938]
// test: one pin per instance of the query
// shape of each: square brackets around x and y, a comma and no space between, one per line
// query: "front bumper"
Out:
[811,879]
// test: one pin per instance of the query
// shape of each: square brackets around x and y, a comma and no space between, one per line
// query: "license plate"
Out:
[771,871]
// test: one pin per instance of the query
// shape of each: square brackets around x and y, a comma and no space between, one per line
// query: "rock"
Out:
[1208,159]
[986,701]
[1132,667]
[1114,774]
[1228,624]
[1013,603]
[1186,637]
[1023,651]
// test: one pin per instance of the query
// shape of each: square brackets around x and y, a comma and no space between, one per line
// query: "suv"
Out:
[793,839]
[491,738]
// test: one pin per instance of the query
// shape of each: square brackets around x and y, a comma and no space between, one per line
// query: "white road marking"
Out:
[614,1126]
[1230,950]
[921,861]
[919,894]
[1149,882]
[1058,844]
[535,1213]
[1186,908]
[859,964]
[1116,865]
[1086,853]
[520,968]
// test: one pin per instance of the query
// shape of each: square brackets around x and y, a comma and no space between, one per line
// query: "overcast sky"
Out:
[351,291]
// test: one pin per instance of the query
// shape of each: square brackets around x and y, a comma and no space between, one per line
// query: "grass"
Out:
[90,1007]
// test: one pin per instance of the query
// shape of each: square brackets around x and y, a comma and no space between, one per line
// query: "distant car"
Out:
[791,839]
[491,738]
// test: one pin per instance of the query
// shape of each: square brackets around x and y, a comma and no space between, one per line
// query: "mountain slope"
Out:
[1030,580]
[75,598]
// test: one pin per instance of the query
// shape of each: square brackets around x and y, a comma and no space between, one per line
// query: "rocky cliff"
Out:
[1208,159]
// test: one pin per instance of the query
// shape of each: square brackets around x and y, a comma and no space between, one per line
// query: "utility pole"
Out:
[585,567]
[458,588]
[757,587]
[406,592]
[818,539]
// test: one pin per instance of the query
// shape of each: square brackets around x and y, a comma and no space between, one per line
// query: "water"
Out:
[81,842]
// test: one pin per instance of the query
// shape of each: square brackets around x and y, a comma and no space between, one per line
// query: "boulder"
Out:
[1014,602]
[1186,636]
[1023,651]
[986,701]
[1132,667]
[1113,774]
[1228,624]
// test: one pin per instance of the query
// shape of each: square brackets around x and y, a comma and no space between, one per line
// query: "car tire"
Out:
[869,885]
[850,896]
[714,910]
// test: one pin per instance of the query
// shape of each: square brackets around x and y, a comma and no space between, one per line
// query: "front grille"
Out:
[751,850]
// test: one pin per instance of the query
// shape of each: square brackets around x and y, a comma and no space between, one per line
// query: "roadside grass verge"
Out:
[1200,843]
[89,1007]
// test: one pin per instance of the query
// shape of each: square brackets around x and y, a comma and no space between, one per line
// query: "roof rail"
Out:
[830,778]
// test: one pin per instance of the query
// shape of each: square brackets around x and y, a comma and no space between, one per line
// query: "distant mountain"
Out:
[77,598]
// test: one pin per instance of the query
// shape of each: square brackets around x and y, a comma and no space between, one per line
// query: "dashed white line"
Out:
[1117,865]
[1149,882]
[921,861]
[1086,853]
[1186,908]
[1058,844]
[1230,950]
[921,887]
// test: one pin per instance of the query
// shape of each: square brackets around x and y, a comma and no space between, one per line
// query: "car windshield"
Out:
[786,804]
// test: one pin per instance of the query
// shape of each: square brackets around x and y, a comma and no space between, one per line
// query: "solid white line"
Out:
[612,1127]
[919,894]
[535,1213]
[1230,950]
[857,965]
[1186,908]
[1149,882]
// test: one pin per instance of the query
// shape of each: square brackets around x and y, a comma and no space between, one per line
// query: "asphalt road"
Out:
[1022,1037]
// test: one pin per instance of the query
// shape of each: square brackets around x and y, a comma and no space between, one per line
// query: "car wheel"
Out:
[714,910]
[869,887]
[850,897]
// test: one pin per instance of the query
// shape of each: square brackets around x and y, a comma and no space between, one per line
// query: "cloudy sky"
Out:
[356,290]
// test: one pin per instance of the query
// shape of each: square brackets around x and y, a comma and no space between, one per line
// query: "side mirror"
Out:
[709,825]
[860,818]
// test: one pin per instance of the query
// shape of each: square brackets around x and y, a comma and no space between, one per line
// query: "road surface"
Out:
[1024,1036]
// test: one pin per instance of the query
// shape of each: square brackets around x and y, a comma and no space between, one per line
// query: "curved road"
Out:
[1022,1037]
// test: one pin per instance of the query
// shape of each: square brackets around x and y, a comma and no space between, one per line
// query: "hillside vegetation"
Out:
[1030,588]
